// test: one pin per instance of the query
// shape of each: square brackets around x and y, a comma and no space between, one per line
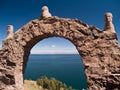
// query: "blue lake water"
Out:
[67,68]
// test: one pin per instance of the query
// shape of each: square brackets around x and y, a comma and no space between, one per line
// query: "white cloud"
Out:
[53,46]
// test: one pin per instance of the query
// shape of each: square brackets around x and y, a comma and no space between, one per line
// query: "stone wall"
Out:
[99,51]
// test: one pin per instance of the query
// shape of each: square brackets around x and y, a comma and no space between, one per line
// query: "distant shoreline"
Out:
[52,53]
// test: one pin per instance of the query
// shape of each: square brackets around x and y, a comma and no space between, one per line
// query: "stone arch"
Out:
[99,51]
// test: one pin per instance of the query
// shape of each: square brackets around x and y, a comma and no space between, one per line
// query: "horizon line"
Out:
[54,53]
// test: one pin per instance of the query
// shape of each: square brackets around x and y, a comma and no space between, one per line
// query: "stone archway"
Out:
[99,51]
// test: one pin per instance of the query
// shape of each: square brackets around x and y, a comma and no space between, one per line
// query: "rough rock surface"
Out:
[100,52]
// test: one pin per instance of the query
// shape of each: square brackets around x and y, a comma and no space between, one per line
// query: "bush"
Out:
[52,84]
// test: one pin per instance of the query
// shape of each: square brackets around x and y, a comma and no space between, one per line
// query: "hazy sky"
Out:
[20,12]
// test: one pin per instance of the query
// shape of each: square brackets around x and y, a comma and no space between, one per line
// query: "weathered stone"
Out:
[45,12]
[109,27]
[100,52]
[9,32]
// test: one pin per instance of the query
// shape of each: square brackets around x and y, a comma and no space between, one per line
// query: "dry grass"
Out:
[31,85]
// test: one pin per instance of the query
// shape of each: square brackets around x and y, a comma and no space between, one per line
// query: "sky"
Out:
[20,12]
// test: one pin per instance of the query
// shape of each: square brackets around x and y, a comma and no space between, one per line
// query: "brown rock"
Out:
[99,51]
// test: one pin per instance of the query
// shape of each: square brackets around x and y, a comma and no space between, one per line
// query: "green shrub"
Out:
[52,84]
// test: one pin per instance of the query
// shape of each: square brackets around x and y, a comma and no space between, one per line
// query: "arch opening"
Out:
[65,63]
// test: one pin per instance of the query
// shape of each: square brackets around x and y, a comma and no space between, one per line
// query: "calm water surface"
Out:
[67,68]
